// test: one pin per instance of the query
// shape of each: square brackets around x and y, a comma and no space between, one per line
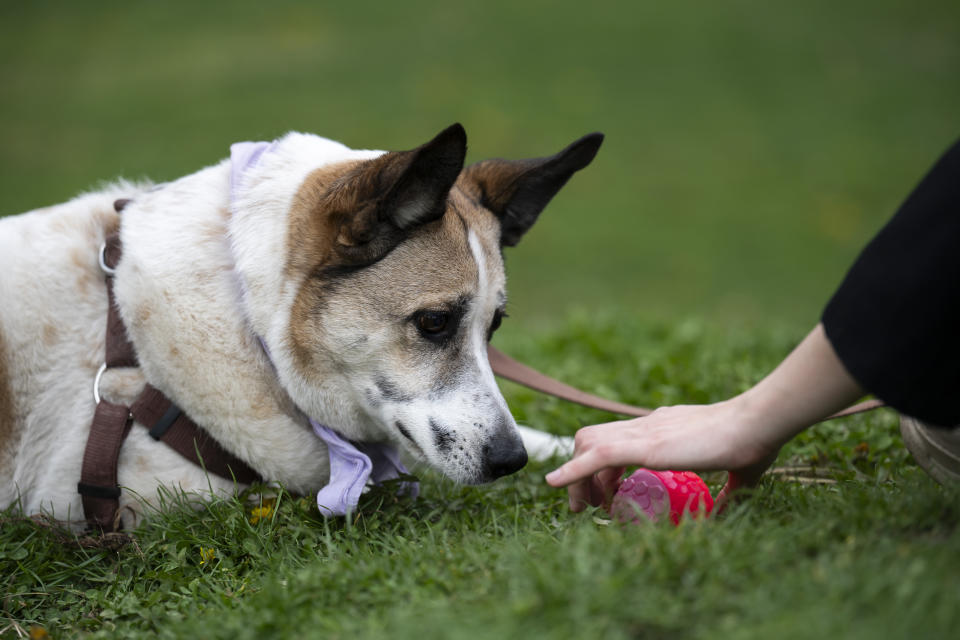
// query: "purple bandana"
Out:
[352,465]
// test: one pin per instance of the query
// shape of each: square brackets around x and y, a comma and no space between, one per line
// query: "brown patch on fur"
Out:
[8,412]
[318,211]
[214,232]
[83,284]
[105,221]
[102,222]
[89,280]
[315,219]
[50,335]
[84,264]
[79,260]
[262,407]
[142,314]
[302,324]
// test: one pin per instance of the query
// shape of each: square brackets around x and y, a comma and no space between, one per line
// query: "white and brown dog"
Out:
[357,288]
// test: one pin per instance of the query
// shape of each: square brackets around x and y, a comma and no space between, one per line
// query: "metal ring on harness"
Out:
[103,263]
[96,383]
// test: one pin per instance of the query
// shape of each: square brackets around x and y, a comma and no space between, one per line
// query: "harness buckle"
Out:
[98,491]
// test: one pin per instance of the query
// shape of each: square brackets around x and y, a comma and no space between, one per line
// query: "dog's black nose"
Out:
[504,456]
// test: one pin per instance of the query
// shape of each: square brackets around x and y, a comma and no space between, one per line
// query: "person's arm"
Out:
[893,320]
[741,435]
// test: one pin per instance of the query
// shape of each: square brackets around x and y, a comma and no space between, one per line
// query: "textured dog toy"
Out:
[650,495]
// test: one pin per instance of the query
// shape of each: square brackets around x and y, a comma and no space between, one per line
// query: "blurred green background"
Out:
[752,146]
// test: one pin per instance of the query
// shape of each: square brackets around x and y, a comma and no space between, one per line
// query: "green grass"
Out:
[752,148]
[874,554]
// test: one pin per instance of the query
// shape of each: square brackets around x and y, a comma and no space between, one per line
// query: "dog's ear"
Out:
[516,191]
[399,191]
[419,194]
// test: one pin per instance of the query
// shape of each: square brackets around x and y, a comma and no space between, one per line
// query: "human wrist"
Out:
[763,429]
[766,417]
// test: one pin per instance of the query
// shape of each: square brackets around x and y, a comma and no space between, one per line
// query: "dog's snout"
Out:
[504,456]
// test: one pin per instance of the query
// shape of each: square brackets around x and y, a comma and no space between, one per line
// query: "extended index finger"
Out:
[578,468]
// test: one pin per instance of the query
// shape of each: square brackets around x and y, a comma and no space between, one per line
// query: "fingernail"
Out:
[553,475]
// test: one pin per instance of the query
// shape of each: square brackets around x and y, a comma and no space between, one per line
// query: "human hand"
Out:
[723,436]
[741,435]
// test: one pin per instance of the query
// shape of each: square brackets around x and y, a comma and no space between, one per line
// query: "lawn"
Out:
[752,148]
[870,550]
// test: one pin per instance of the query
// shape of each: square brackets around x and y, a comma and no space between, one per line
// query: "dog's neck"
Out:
[351,465]
[257,234]
[243,156]
[263,192]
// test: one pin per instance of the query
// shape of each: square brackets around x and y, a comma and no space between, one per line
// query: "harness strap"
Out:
[171,426]
[119,351]
[98,476]
[98,486]
[506,367]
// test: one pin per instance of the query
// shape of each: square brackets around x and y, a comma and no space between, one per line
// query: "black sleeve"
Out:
[895,320]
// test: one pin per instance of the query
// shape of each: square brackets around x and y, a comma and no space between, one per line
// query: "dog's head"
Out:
[393,283]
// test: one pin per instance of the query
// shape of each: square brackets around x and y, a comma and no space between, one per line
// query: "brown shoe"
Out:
[936,450]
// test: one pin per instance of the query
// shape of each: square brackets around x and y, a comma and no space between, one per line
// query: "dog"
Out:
[357,288]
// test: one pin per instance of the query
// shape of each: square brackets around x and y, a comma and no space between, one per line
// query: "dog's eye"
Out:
[498,317]
[433,323]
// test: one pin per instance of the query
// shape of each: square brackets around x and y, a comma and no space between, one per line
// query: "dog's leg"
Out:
[543,446]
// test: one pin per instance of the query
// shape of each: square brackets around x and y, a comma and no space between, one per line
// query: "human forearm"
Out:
[810,384]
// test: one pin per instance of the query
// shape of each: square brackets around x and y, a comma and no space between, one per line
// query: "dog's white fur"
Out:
[200,280]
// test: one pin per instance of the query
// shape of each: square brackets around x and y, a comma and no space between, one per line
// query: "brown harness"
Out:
[167,423]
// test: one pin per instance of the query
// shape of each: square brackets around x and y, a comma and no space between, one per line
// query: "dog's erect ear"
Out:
[419,195]
[516,191]
[398,191]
